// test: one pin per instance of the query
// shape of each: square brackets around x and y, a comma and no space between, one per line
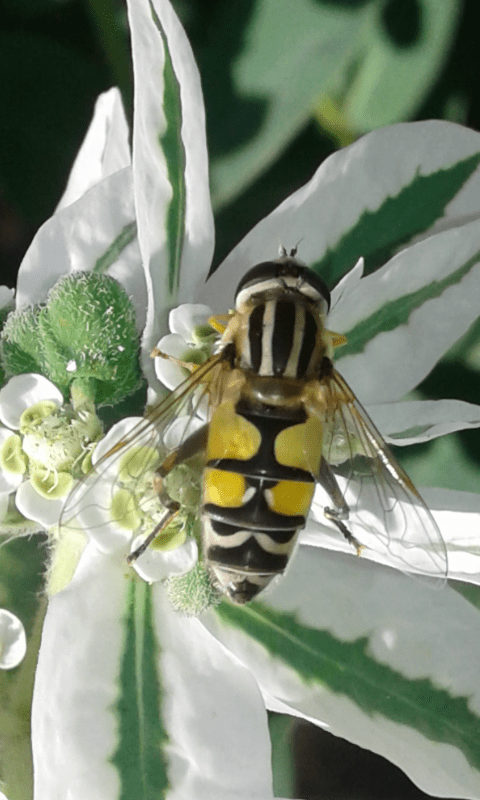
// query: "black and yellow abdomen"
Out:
[258,487]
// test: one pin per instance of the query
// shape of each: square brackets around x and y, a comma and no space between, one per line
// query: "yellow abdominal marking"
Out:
[225,489]
[231,436]
[301,445]
[290,497]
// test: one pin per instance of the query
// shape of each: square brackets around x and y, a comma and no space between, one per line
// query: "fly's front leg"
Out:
[327,479]
[190,447]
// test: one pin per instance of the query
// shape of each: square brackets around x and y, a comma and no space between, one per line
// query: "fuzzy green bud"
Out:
[84,340]
[89,336]
[192,593]
[21,350]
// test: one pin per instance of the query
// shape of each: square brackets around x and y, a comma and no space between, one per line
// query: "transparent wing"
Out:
[117,497]
[386,513]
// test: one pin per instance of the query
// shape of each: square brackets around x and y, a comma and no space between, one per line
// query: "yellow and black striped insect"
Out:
[282,424]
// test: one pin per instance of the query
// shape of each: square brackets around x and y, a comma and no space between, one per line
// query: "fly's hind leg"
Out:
[341,511]
[190,447]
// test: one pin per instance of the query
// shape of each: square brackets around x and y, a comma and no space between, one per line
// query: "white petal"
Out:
[186,317]
[214,715]
[9,481]
[23,391]
[75,720]
[73,716]
[6,296]
[93,513]
[175,433]
[104,150]
[121,432]
[169,373]
[395,360]
[156,565]
[457,514]
[13,642]
[33,506]
[345,288]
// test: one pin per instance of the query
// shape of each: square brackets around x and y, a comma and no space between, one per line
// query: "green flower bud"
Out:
[21,349]
[88,335]
[192,593]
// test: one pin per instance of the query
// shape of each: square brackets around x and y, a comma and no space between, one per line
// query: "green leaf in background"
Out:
[348,668]
[401,53]
[288,55]
[281,727]
[371,62]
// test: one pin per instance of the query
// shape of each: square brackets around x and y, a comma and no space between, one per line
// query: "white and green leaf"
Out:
[371,199]
[140,701]
[386,664]
[104,150]
[95,233]
[170,161]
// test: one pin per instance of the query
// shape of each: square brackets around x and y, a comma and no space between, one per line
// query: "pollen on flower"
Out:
[56,438]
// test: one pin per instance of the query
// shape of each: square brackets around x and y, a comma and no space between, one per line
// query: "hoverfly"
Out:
[281,423]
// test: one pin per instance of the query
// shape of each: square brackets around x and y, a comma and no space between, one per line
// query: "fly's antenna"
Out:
[282,251]
[294,250]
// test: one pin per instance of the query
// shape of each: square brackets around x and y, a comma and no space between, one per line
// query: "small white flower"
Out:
[190,341]
[118,506]
[41,446]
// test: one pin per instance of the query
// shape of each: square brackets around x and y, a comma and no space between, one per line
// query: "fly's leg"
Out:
[327,479]
[188,365]
[194,444]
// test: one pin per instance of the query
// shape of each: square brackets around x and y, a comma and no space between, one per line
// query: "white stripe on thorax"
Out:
[266,366]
